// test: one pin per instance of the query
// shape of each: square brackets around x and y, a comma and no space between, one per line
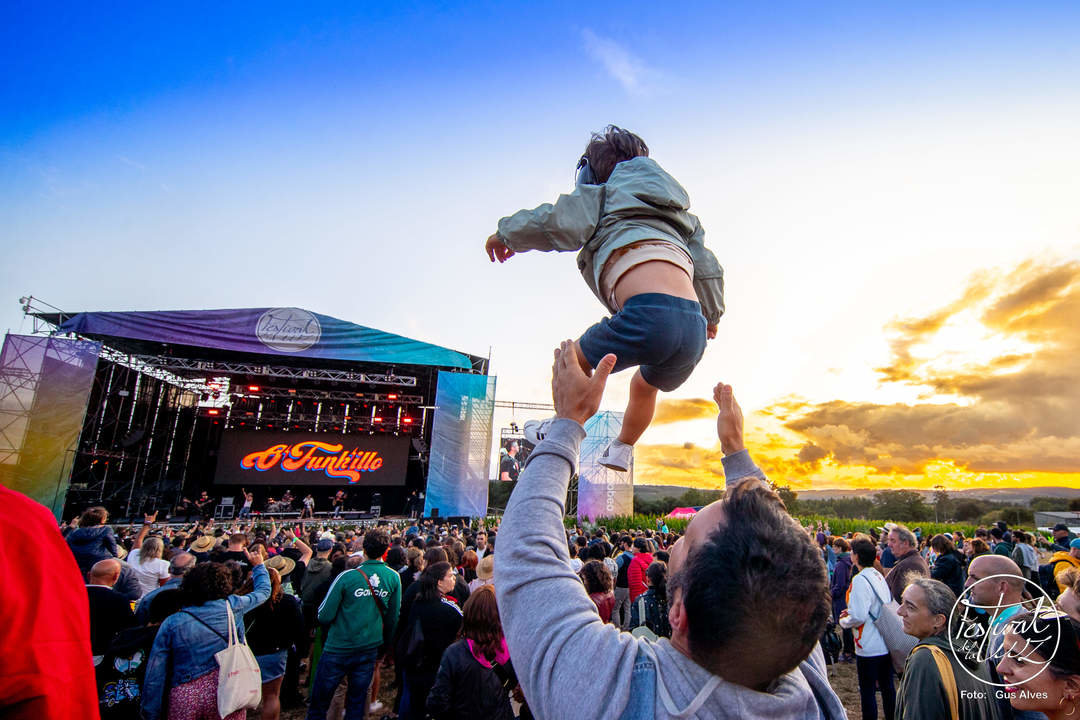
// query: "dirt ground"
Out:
[842,678]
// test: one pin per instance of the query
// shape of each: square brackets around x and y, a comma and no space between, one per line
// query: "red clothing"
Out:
[605,603]
[46,670]
[635,574]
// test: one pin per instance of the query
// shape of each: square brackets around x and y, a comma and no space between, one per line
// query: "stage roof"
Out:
[283,332]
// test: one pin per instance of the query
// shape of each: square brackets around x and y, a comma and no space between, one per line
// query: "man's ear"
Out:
[677,615]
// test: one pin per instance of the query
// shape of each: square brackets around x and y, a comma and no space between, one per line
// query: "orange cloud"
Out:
[1014,413]
[677,410]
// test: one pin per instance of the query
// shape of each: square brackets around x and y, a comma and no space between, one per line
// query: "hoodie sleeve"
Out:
[708,276]
[860,602]
[555,645]
[565,226]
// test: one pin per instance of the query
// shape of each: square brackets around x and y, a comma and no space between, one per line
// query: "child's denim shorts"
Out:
[662,334]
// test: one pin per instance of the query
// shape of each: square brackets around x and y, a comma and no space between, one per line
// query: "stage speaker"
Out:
[223,511]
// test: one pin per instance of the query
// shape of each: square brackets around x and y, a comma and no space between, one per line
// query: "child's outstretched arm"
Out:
[708,278]
[565,226]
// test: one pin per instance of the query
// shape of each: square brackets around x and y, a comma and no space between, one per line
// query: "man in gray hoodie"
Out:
[748,590]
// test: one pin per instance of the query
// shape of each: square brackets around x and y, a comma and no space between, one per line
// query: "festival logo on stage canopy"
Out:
[288,329]
[298,458]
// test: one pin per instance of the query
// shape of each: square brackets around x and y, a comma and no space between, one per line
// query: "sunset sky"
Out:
[891,190]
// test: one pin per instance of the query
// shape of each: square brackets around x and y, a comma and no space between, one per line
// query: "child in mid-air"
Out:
[642,254]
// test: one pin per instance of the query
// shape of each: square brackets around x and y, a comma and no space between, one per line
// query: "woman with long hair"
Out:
[1042,663]
[650,608]
[600,586]
[150,569]
[432,626]
[182,674]
[475,676]
[273,628]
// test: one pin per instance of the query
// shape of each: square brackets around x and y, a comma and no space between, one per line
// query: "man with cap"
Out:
[1062,537]
[888,559]
[1061,560]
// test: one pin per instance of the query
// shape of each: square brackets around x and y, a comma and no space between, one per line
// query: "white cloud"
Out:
[628,70]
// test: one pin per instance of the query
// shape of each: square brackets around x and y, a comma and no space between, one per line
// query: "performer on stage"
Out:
[249,499]
[287,500]
[205,505]
[338,502]
[309,507]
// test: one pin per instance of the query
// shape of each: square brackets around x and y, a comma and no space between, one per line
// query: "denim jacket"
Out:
[184,647]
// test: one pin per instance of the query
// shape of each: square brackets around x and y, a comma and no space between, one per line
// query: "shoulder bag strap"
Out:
[641,610]
[208,626]
[948,680]
[378,600]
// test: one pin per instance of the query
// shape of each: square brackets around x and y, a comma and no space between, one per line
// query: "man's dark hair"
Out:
[996,533]
[865,552]
[395,556]
[596,552]
[757,580]
[608,148]
[641,544]
[625,540]
[376,541]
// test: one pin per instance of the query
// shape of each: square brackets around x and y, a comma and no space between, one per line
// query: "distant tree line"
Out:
[899,505]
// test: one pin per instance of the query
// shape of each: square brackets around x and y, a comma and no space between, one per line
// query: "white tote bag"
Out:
[239,679]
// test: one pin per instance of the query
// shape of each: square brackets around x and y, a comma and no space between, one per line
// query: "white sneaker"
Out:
[618,456]
[375,706]
[535,430]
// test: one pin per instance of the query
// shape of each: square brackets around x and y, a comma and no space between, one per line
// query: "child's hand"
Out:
[710,332]
[497,250]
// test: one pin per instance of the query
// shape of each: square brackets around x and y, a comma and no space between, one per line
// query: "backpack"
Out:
[1047,581]
[316,581]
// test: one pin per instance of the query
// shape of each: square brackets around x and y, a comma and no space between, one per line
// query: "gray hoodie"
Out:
[572,665]
[638,202]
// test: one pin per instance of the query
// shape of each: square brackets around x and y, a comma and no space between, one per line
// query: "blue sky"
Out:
[851,163]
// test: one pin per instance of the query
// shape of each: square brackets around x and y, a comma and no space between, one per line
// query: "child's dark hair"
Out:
[609,148]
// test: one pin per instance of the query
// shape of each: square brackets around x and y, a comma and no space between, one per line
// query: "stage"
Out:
[142,411]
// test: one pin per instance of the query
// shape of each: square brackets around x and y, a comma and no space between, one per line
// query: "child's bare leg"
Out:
[639,410]
[581,359]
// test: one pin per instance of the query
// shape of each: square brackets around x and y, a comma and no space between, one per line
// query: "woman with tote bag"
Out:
[872,661]
[200,667]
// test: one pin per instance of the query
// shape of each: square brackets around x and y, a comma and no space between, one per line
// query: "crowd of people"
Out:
[738,616]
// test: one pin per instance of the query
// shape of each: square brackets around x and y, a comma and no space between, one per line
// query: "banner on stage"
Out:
[302,458]
[45,385]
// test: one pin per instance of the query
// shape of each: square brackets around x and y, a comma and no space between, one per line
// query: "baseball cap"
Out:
[1061,526]
[324,545]
[1074,544]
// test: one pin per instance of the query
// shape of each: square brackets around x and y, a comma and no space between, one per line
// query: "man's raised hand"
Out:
[576,395]
[497,250]
[729,420]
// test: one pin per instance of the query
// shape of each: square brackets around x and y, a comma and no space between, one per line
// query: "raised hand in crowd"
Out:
[576,395]
[729,420]
[253,558]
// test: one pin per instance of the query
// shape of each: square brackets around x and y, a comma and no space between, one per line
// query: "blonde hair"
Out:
[151,549]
